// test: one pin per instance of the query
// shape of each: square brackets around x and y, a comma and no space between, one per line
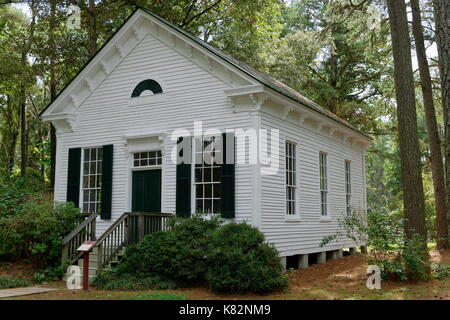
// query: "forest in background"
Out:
[344,54]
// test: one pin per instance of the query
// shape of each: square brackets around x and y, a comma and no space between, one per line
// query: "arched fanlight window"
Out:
[146,87]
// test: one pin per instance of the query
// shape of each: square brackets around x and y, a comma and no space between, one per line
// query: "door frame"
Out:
[131,169]
[147,169]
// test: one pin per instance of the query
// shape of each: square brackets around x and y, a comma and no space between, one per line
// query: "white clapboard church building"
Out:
[291,168]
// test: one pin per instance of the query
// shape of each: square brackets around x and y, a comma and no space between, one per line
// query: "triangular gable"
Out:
[142,22]
[124,40]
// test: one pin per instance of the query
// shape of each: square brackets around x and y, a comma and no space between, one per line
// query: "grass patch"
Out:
[159,296]
[7,282]
[111,280]
[441,271]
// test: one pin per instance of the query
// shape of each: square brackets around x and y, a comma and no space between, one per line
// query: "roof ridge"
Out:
[263,77]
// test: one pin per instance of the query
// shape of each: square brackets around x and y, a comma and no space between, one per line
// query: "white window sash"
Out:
[94,176]
[323,177]
[291,178]
[199,150]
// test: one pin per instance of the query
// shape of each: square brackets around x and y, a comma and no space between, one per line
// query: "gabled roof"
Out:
[87,63]
[257,75]
[262,77]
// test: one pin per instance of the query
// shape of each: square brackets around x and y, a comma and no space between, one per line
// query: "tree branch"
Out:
[316,73]
[189,11]
[200,14]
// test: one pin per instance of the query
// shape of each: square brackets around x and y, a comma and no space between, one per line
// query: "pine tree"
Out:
[413,196]
[437,165]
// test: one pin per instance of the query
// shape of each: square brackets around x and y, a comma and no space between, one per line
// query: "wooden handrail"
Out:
[152,214]
[85,231]
[111,228]
[129,228]
[80,227]
[131,214]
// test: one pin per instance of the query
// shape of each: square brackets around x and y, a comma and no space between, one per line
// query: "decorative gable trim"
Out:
[193,51]
[126,38]
[134,30]
[63,122]
[96,70]
[253,98]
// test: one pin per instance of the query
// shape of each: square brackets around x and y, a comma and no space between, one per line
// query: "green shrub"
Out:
[31,225]
[441,271]
[117,280]
[398,259]
[159,296]
[36,229]
[232,258]
[7,282]
[53,273]
[415,260]
[179,254]
[239,260]
[17,191]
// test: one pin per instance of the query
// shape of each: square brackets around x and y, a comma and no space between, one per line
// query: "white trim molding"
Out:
[254,97]
[63,122]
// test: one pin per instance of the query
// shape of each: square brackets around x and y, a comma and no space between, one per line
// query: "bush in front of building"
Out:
[32,231]
[230,258]
[116,279]
[239,260]
[7,282]
[178,255]
[398,258]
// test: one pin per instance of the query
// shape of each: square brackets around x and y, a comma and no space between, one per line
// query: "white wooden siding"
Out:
[190,93]
[305,235]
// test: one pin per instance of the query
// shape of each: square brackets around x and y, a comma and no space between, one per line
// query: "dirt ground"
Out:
[18,270]
[343,278]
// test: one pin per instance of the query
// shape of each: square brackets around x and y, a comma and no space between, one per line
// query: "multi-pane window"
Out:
[323,184]
[207,174]
[348,186]
[92,180]
[290,178]
[147,159]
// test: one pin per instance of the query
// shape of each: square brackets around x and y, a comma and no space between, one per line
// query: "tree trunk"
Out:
[333,80]
[11,153]
[333,76]
[23,124]
[23,91]
[442,17]
[13,134]
[437,164]
[92,17]
[52,45]
[413,197]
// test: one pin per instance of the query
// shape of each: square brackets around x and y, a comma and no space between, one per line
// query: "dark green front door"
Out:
[146,191]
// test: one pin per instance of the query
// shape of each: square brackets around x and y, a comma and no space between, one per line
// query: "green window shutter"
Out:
[183,189]
[227,176]
[73,176]
[107,174]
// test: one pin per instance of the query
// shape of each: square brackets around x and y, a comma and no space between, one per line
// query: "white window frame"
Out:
[294,176]
[326,216]
[132,168]
[157,165]
[194,183]
[97,188]
[348,185]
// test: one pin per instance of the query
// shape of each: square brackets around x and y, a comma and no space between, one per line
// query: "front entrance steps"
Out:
[93,263]
[128,229]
